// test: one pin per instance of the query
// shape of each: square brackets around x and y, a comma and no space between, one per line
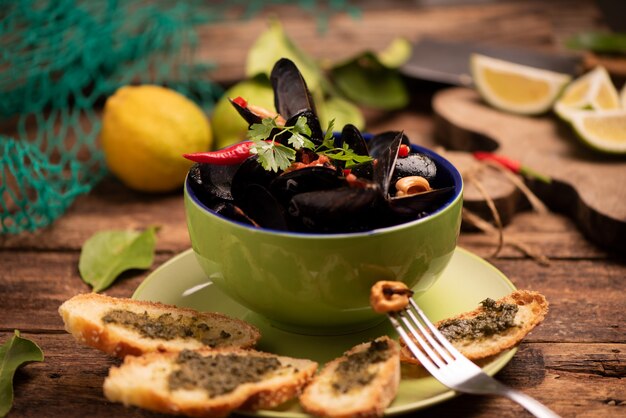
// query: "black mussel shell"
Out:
[351,136]
[250,172]
[245,113]
[212,183]
[421,202]
[415,165]
[291,95]
[230,211]
[259,205]
[307,179]
[385,164]
[345,209]
[317,136]
[380,142]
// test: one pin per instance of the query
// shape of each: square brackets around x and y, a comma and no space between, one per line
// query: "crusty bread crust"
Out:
[532,310]
[83,314]
[369,401]
[143,381]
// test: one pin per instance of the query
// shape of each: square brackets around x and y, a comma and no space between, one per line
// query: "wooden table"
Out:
[574,362]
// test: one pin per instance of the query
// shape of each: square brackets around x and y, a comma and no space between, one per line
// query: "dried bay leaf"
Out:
[365,81]
[14,353]
[107,254]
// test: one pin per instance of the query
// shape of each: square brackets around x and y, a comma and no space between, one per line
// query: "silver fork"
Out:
[449,366]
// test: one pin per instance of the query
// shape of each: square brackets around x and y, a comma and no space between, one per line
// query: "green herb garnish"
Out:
[275,156]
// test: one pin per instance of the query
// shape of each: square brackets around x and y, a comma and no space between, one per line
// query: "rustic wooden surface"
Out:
[575,362]
[549,146]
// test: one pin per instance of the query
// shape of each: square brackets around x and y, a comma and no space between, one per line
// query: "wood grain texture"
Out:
[589,376]
[574,362]
[585,185]
[532,24]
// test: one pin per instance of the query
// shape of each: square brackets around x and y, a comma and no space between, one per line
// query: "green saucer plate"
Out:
[467,280]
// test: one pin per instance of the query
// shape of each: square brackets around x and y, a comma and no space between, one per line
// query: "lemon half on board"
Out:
[602,130]
[514,87]
[591,91]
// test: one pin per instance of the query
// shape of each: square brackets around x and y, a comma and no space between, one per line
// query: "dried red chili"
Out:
[233,154]
[511,165]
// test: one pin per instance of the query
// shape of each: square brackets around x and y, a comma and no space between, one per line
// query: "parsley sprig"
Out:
[275,156]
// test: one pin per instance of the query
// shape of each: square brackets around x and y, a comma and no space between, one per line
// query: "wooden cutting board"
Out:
[587,186]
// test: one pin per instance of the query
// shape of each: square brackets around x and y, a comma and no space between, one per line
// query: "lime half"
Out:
[591,91]
[514,87]
[602,130]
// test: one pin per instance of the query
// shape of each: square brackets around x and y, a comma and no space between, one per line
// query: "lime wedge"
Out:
[591,91]
[603,130]
[514,87]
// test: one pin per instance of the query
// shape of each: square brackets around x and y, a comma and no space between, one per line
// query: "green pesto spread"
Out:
[219,374]
[353,371]
[168,327]
[494,319]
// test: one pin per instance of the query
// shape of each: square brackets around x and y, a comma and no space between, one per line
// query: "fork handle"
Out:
[530,404]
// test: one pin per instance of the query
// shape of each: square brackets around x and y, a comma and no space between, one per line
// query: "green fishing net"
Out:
[60,59]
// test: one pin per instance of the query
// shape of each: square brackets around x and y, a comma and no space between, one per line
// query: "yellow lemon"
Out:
[145,131]
[516,88]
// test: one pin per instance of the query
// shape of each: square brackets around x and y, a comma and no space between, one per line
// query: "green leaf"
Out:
[299,134]
[343,112]
[273,45]
[261,131]
[367,82]
[273,156]
[328,136]
[14,353]
[105,255]
[396,54]
[602,42]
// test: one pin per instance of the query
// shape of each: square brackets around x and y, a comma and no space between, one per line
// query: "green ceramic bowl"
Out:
[320,283]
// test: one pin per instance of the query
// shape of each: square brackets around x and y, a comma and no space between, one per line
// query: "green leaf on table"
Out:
[365,81]
[14,353]
[273,45]
[602,42]
[342,112]
[396,54]
[107,254]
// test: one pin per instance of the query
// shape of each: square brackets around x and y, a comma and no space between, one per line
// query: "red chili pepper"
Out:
[512,165]
[241,101]
[346,172]
[404,150]
[231,155]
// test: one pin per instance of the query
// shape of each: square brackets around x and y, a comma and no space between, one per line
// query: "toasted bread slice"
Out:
[207,383]
[98,321]
[532,308]
[361,383]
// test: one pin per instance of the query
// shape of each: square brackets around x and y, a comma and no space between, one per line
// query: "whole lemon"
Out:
[145,131]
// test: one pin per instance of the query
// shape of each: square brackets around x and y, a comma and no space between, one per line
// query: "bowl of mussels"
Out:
[298,223]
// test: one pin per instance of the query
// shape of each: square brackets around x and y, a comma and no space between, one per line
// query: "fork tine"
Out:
[441,350]
[420,334]
[435,332]
[410,342]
